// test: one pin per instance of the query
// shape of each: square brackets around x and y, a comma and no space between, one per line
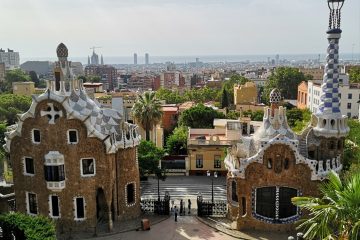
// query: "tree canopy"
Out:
[228,86]
[199,116]
[354,74]
[11,104]
[176,143]
[16,75]
[147,111]
[196,95]
[298,119]
[170,96]
[149,156]
[336,214]
[27,227]
[286,79]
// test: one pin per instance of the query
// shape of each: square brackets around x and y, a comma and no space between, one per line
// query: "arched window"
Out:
[274,204]
[269,163]
[286,163]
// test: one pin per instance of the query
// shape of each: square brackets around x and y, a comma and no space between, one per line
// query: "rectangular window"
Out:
[80,208]
[339,95]
[199,161]
[217,161]
[349,106]
[87,167]
[54,203]
[29,165]
[54,173]
[130,193]
[350,96]
[32,203]
[36,136]
[72,136]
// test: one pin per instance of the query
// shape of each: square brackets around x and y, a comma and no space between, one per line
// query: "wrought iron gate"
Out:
[157,206]
[209,208]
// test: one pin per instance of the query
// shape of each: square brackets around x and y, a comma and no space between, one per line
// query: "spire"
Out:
[102,60]
[329,100]
[64,80]
[330,121]
[88,60]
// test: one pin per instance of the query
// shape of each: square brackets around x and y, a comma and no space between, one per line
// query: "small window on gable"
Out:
[87,167]
[72,136]
[36,137]
[286,163]
[29,166]
[269,163]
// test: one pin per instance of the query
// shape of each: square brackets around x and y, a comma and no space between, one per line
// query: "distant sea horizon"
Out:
[203,58]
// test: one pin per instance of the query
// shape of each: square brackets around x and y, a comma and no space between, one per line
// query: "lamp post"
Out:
[158,178]
[212,184]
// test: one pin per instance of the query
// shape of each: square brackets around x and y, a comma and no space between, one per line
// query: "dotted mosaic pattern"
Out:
[275,96]
[329,99]
[62,50]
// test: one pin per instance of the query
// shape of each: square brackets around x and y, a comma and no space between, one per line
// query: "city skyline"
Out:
[174,28]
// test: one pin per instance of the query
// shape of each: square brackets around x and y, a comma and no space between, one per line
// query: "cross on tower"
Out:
[52,113]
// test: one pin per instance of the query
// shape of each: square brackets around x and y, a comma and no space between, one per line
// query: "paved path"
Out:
[187,227]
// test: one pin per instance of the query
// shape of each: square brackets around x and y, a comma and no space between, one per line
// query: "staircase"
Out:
[303,142]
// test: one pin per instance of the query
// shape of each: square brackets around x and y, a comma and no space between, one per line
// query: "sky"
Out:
[173,27]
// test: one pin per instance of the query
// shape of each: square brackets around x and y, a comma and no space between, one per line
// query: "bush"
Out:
[28,227]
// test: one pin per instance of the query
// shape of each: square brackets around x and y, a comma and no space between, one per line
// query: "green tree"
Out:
[229,85]
[11,105]
[149,156]
[233,115]
[286,79]
[301,122]
[294,115]
[352,143]
[170,97]
[336,214]
[176,143]
[147,111]
[224,98]
[354,74]
[34,78]
[199,116]
[28,227]
[16,75]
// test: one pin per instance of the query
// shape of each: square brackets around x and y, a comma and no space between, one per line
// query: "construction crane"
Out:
[93,48]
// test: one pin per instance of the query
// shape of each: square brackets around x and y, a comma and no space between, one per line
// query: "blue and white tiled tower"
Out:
[330,121]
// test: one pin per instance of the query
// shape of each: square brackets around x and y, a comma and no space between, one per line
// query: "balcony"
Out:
[56,186]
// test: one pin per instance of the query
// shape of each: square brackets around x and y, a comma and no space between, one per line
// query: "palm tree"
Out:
[147,111]
[336,215]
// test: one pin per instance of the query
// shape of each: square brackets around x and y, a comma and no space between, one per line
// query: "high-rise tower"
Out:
[135,58]
[146,58]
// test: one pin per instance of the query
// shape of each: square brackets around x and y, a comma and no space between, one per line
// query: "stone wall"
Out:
[54,138]
[297,176]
